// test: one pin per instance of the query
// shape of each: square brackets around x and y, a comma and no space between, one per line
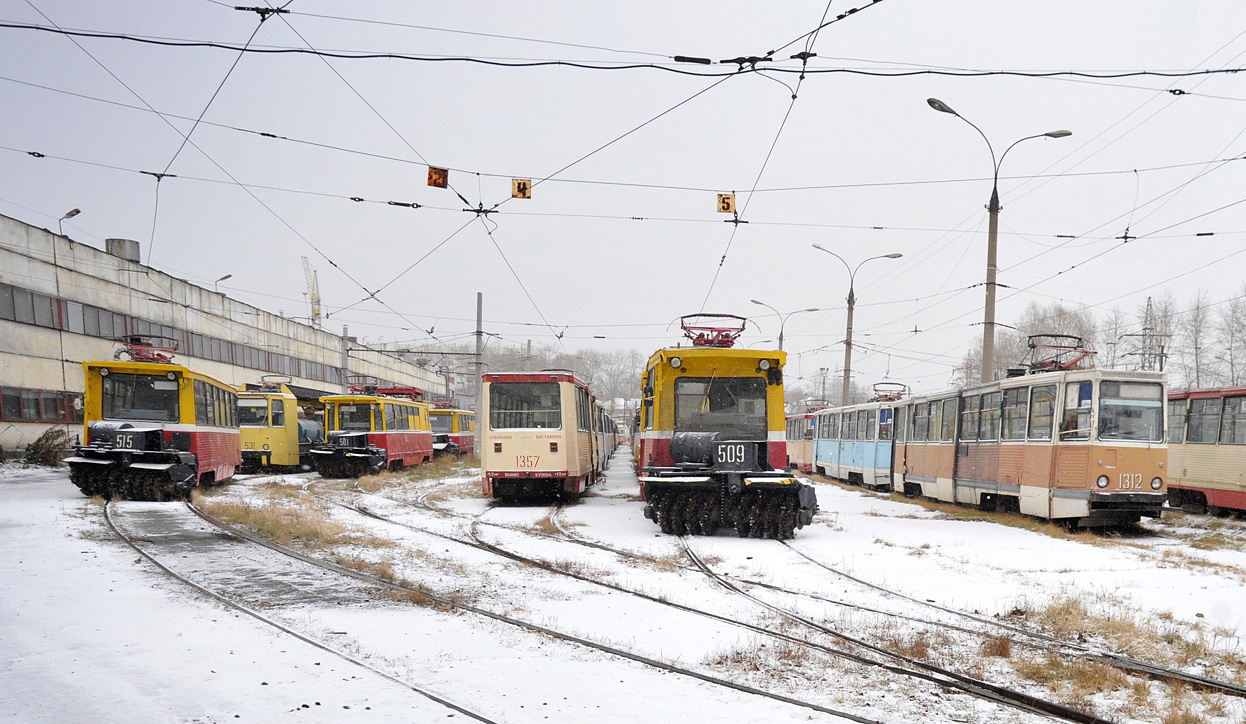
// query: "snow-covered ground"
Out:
[91,630]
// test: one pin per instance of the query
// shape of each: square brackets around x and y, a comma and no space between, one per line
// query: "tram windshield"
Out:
[252,412]
[525,406]
[358,416]
[441,423]
[139,397]
[1131,411]
[733,406]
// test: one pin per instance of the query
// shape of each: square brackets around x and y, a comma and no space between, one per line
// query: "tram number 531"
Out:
[526,461]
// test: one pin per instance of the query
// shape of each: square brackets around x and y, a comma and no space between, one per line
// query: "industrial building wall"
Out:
[62,303]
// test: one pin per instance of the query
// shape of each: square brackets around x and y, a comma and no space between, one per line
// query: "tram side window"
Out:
[884,424]
[871,424]
[1015,413]
[1075,425]
[807,424]
[1042,412]
[921,422]
[201,403]
[1176,421]
[1204,419]
[900,428]
[1233,426]
[970,412]
[849,430]
[279,413]
[949,420]
[988,427]
[391,416]
[833,426]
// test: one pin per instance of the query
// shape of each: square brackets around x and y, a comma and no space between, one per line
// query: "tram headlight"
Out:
[170,375]
[1157,483]
[763,365]
[103,371]
[1102,482]
[265,446]
[676,362]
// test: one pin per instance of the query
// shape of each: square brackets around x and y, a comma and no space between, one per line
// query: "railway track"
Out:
[277,625]
[1020,636]
[519,623]
[908,667]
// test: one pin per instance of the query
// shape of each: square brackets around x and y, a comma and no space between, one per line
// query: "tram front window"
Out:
[1131,411]
[139,397]
[355,417]
[733,406]
[441,423]
[525,406]
[252,412]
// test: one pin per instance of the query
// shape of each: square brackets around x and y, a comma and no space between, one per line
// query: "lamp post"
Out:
[993,207]
[216,284]
[68,215]
[852,300]
[783,317]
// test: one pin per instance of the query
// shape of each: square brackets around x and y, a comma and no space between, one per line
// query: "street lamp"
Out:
[852,300]
[783,317]
[68,215]
[216,284]
[993,207]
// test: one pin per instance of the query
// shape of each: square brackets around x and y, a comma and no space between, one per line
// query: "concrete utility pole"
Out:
[345,357]
[992,237]
[479,365]
[852,301]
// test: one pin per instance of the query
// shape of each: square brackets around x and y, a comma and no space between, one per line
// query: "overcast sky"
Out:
[613,248]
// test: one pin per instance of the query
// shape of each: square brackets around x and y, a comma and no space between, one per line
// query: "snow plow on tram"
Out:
[153,430]
[712,431]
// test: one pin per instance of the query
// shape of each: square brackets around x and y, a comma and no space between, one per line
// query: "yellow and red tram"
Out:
[712,437]
[454,431]
[373,430]
[152,430]
[539,437]
[1207,449]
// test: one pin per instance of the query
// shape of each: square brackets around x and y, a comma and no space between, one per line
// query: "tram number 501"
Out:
[1130,481]
[526,461]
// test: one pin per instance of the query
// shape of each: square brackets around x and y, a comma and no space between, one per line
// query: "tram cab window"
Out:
[1075,425]
[900,427]
[253,412]
[525,405]
[129,396]
[734,406]
[358,416]
[1042,412]
[1133,411]
[884,424]
[1176,421]
[807,424]
[279,413]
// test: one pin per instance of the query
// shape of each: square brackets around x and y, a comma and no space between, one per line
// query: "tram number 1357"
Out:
[735,455]
[526,461]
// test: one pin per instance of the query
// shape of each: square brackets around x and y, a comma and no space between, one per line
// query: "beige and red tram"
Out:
[539,435]
[1086,447]
[800,442]
[1207,449]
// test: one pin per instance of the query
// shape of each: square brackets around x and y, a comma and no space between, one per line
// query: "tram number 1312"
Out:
[1130,481]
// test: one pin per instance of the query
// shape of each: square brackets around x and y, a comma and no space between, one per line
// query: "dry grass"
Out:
[308,525]
[761,656]
[996,646]
[1075,679]
[1180,713]
[545,525]
[579,568]
[1215,541]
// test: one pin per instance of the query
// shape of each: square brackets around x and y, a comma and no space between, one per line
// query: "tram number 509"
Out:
[735,456]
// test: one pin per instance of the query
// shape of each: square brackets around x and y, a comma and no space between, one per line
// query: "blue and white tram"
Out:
[854,443]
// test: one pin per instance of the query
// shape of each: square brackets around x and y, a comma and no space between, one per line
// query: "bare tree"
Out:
[1194,336]
[1231,338]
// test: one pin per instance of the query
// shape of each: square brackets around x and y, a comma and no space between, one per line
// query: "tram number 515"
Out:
[526,461]
[1130,481]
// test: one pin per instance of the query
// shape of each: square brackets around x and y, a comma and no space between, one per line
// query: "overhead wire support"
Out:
[264,12]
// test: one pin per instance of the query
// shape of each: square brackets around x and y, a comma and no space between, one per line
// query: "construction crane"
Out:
[313,292]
